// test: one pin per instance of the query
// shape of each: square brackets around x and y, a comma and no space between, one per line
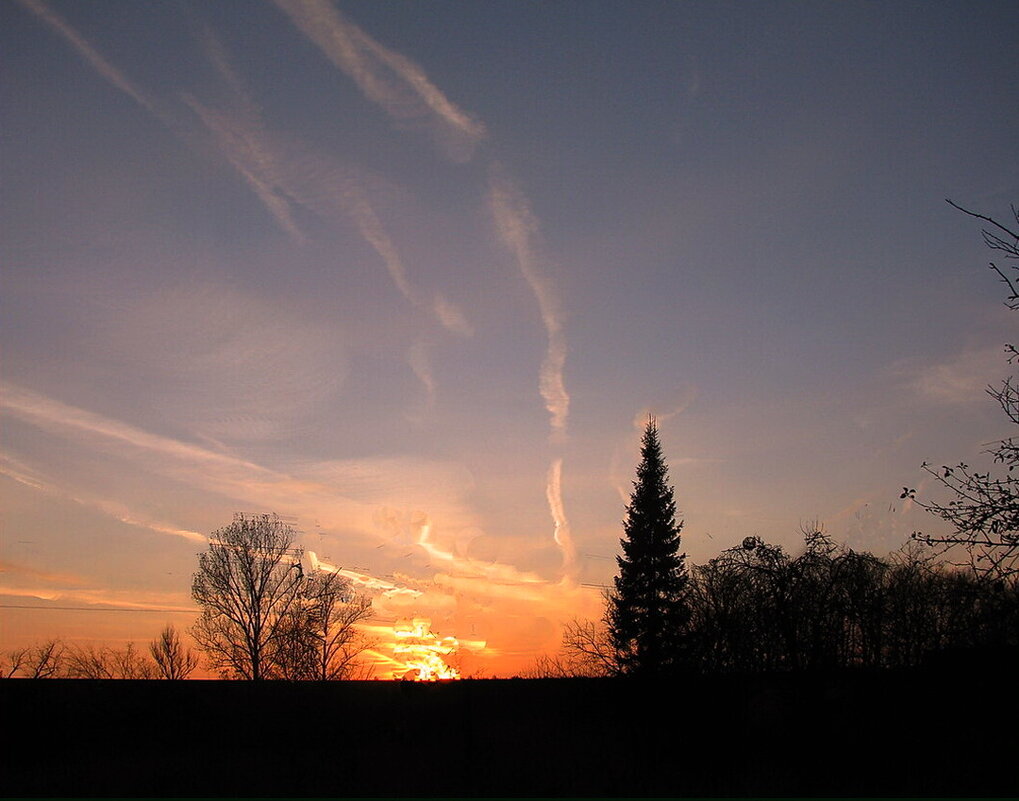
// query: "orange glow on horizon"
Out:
[422,652]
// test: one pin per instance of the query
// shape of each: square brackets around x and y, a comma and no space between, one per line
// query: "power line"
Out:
[90,608]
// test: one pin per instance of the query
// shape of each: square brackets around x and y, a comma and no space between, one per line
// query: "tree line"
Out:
[756,608]
[262,617]
[167,658]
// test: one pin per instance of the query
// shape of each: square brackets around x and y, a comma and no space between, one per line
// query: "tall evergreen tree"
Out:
[648,609]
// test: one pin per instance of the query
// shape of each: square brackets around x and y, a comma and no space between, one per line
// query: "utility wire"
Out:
[96,609]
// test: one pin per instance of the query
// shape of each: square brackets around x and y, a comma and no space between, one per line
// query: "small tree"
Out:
[173,659]
[89,662]
[647,610]
[99,662]
[248,585]
[985,510]
[320,636]
[129,664]
[338,610]
[44,661]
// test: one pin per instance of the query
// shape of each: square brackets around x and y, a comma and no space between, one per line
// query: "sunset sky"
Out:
[413,274]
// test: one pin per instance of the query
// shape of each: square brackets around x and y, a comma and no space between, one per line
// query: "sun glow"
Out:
[422,651]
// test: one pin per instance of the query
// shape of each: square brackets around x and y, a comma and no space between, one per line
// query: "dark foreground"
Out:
[938,732]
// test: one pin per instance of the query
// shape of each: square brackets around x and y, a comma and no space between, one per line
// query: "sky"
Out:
[413,274]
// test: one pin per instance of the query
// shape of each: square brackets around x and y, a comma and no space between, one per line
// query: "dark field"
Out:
[936,732]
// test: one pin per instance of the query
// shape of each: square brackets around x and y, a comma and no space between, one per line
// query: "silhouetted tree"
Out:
[647,610]
[89,662]
[985,511]
[587,650]
[98,662]
[320,636]
[248,585]
[44,661]
[755,608]
[173,659]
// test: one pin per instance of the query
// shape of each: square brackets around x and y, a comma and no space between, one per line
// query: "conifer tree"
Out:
[648,611]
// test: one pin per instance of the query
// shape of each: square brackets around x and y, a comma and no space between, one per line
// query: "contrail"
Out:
[563,537]
[518,229]
[385,77]
[420,363]
[49,414]
[308,180]
[89,53]
[231,137]
[245,155]
[244,143]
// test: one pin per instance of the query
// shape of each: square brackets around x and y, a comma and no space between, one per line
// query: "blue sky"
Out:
[414,274]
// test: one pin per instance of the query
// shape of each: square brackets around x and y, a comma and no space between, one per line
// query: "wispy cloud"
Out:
[963,378]
[26,571]
[284,176]
[386,77]
[92,56]
[420,362]
[426,516]
[276,180]
[220,362]
[344,495]
[54,415]
[121,599]
[243,149]
[667,408]
[111,508]
[518,228]
[563,537]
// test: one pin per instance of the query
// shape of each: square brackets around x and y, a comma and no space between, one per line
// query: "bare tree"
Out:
[174,661]
[338,610]
[549,667]
[44,661]
[588,649]
[984,512]
[249,587]
[129,664]
[89,662]
[321,639]
[98,662]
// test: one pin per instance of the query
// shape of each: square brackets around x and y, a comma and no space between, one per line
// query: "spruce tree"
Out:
[648,609]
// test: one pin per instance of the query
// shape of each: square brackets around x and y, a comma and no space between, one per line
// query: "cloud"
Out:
[115,509]
[66,579]
[561,533]
[279,181]
[243,149]
[519,230]
[283,176]
[414,503]
[219,362]
[420,362]
[666,408]
[451,317]
[360,581]
[345,495]
[384,76]
[963,378]
[93,57]
[99,598]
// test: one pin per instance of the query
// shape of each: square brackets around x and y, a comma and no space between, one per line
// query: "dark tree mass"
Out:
[648,610]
